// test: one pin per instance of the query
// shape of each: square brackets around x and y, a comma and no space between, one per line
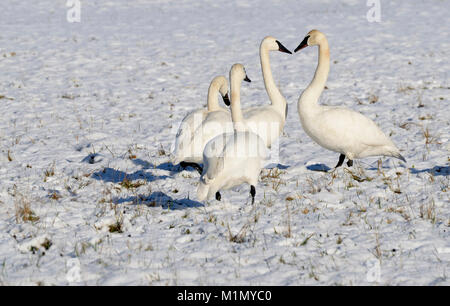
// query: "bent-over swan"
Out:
[268,121]
[190,123]
[336,128]
[233,158]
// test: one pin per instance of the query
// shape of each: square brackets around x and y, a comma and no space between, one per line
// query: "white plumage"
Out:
[337,128]
[231,159]
[268,121]
[183,147]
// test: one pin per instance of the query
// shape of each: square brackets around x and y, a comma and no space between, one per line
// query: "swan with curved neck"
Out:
[190,123]
[218,85]
[268,121]
[233,158]
[338,129]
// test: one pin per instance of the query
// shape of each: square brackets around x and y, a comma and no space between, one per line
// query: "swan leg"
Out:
[197,167]
[341,160]
[253,193]
[350,163]
[218,196]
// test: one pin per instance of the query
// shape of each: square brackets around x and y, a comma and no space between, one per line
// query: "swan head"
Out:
[313,38]
[221,83]
[272,44]
[238,71]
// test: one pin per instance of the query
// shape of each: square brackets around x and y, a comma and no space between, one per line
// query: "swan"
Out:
[193,120]
[233,158]
[268,121]
[338,129]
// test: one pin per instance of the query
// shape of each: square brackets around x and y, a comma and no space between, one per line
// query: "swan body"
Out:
[337,128]
[231,159]
[182,147]
[265,122]
[268,121]
[214,124]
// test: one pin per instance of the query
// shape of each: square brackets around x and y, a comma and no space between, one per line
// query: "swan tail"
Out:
[202,191]
[174,160]
[174,155]
[399,156]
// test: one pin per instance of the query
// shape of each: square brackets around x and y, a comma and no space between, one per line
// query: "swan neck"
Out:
[236,111]
[323,67]
[312,93]
[213,97]
[276,98]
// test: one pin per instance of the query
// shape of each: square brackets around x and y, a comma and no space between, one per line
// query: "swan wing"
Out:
[265,122]
[191,122]
[344,123]
[213,157]
[215,123]
[185,132]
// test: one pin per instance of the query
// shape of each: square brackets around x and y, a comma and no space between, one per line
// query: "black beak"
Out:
[247,79]
[303,44]
[226,99]
[282,48]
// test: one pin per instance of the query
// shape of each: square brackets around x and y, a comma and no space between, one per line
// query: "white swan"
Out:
[268,121]
[336,128]
[233,158]
[214,124]
[181,153]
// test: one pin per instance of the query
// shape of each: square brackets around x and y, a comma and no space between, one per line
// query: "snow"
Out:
[90,111]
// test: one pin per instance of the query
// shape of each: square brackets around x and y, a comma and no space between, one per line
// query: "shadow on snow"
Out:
[318,167]
[167,166]
[159,199]
[116,176]
[155,199]
[436,171]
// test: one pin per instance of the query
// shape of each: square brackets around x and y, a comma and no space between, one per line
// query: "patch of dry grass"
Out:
[23,210]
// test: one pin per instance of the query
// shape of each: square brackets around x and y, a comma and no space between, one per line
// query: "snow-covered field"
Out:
[90,110]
